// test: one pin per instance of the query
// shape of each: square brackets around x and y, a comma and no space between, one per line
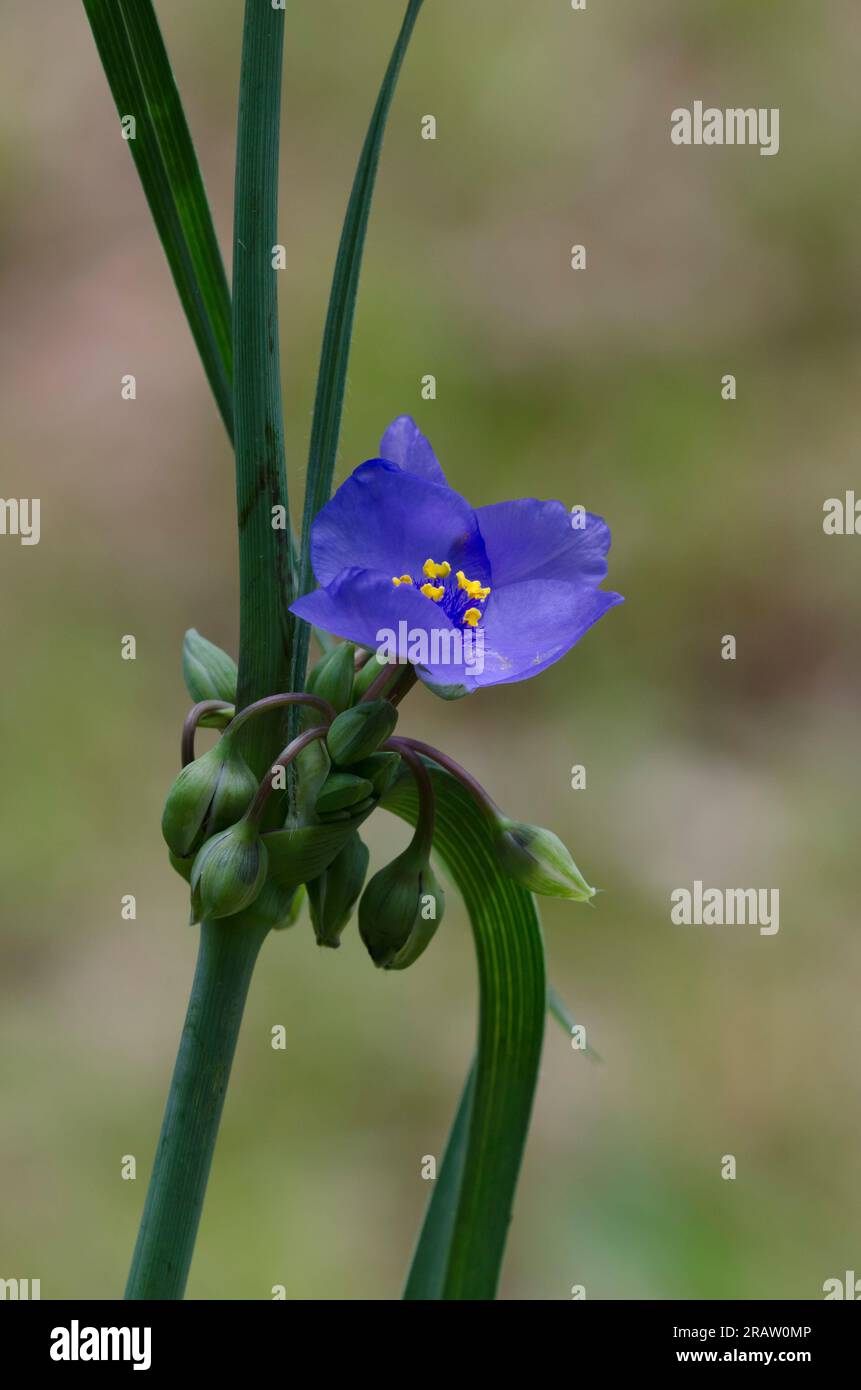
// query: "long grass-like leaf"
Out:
[139,74]
[427,1276]
[462,1241]
[331,380]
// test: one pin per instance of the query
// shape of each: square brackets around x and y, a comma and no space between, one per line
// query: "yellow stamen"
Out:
[430,591]
[435,571]
[472,616]
[404,579]
[473,587]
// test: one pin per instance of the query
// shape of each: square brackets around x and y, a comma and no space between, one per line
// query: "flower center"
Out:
[457,597]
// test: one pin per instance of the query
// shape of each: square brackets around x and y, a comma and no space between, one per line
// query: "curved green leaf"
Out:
[139,74]
[463,1237]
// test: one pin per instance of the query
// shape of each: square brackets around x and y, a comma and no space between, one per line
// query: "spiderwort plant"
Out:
[418,586]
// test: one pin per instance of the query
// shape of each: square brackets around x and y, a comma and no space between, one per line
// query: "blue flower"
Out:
[472,597]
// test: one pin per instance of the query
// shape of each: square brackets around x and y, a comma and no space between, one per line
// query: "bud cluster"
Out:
[249,854]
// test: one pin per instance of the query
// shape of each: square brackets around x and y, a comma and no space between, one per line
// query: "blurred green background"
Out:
[600,387]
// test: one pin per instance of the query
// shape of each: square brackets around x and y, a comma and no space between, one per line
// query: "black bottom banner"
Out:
[65,1338]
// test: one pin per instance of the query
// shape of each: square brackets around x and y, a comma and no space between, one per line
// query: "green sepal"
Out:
[447,692]
[332,897]
[372,668]
[217,718]
[210,674]
[332,677]
[358,732]
[340,791]
[301,853]
[182,866]
[312,768]
[380,769]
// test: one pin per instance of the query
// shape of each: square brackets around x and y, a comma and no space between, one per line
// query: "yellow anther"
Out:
[431,591]
[404,579]
[435,571]
[472,616]
[473,587]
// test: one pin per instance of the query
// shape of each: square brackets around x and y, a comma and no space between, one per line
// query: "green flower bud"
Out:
[332,678]
[380,769]
[342,790]
[372,668]
[183,866]
[400,910]
[539,861]
[208,795]
[358,732]
[332,897]
[229,872]
[352,814]
[312,766]
[210,674]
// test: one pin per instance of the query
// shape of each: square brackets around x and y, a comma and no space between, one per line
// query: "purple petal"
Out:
[404,444]
[366,608]
[529,539]
[529,626]
[390,521]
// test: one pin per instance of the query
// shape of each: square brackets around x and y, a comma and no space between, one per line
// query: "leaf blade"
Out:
[139,74]
[459,1253]
[335,352]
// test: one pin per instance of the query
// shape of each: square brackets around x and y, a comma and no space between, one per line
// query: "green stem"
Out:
[266,627]
[227,953]
[422,841]
[173,1205]
[192,720]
